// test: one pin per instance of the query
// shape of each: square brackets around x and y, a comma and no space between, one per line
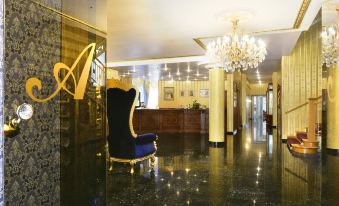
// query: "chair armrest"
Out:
[146,138]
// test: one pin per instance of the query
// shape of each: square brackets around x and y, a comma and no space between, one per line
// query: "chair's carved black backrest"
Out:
[120,139]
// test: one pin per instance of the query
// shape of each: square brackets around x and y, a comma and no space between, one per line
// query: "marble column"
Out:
[217,107]
[333,109]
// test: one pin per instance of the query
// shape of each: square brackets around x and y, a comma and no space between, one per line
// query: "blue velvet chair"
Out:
[123,143]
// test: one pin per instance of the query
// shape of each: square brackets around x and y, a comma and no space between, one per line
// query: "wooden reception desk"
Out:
[171,120]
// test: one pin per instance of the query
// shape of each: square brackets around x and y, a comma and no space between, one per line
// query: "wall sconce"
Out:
[24,112]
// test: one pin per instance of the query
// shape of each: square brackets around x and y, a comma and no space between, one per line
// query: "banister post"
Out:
[312,118]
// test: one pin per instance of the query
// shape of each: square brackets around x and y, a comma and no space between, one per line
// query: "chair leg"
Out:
[132,163]
[152,160]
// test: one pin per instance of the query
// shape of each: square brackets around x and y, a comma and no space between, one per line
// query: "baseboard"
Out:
[334,152]
[216,144]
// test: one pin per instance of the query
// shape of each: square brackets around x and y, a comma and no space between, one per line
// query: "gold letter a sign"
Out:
[79,88]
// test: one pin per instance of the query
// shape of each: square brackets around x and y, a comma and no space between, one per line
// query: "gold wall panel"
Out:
[301,80]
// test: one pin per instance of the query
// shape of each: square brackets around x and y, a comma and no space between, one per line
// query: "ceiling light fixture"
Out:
[188,68]
[165,68]
[330,45]
[178,71]
[235,52]
[198,72]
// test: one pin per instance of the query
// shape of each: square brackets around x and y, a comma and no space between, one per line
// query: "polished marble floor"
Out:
[253,168]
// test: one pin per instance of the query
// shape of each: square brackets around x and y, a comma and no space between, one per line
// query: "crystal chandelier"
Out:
[235,51]
[330,44]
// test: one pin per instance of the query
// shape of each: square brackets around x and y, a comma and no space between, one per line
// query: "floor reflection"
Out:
[252,168]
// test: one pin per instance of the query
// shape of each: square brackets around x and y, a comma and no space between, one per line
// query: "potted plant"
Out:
[196,104]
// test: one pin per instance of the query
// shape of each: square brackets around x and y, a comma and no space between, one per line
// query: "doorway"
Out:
[258,108]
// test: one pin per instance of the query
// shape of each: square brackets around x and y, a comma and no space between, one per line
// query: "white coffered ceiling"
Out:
[146,29]
[150,30]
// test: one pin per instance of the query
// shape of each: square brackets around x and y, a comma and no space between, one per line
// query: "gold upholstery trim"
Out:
[112,83]
[132,160]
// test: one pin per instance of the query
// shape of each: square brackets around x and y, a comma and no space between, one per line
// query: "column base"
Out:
[216,144]
[332,151]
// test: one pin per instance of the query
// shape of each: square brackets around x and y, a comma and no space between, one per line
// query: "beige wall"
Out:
[257,89]
[301,75]
[186,87]
[275,79]
[112,74]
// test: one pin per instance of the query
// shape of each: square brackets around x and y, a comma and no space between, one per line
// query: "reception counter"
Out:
[171,120]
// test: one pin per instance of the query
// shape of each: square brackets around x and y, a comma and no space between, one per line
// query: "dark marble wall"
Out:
[48,162]
[32,47]
[1,103]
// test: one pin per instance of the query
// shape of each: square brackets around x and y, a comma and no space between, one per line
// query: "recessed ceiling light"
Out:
[165,69]
[178,71]
[198,73]
[188,68]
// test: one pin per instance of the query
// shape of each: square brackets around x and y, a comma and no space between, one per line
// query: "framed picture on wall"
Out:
[191,93]
[182,93]
[204,93]
[168,93]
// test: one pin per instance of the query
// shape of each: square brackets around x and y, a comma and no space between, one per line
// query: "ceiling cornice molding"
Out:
[301,14]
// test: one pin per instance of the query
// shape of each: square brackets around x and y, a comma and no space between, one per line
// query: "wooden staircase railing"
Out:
[308,145]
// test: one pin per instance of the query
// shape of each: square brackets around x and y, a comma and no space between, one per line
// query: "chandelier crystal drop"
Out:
[236,52]
[330,45]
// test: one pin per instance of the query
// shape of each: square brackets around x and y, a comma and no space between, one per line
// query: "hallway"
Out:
[253,168]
